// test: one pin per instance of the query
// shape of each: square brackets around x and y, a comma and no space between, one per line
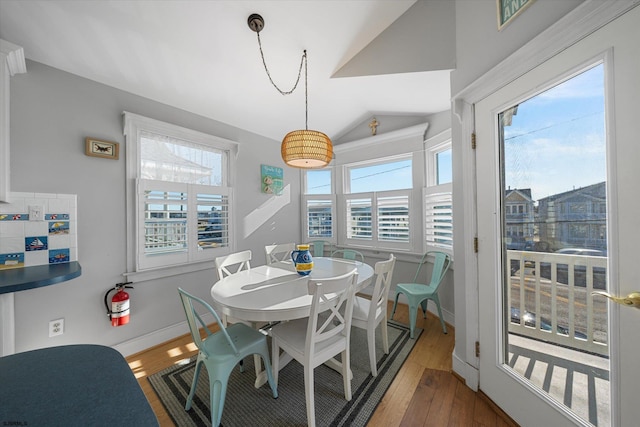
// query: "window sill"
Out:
[383,254]
[158,273]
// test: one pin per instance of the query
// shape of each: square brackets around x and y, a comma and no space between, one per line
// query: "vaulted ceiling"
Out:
[365,58]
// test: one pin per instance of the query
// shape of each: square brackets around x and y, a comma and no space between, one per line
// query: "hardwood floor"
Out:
[424,393]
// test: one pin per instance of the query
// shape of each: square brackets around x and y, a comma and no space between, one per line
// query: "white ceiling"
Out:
[202,57]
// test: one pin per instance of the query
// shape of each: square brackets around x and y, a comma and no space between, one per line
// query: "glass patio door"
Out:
[556,162]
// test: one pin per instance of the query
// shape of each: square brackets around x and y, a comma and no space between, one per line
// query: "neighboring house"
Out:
[519,214]
[575,218]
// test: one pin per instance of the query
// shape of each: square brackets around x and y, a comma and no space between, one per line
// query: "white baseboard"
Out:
[136,345]
[466,371]
[449,318]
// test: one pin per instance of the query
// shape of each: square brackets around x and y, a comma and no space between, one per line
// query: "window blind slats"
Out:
[319,218]
[393,218]
[213,220]
[359,221]
[439,219]
[165,221]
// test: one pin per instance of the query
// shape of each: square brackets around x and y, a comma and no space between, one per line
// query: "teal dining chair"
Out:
[319,246]
[220,352]
[420,294]
[348,254]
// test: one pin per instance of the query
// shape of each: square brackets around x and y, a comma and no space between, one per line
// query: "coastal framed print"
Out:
[98,148]
[509,9]
[271,179]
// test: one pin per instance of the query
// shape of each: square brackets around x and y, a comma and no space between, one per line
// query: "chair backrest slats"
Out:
[384,273]
[332,297]
[225,263]
[349,254]
[441,264]
[279,253]
[319,246]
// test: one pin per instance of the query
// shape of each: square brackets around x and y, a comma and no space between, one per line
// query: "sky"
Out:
[556,141]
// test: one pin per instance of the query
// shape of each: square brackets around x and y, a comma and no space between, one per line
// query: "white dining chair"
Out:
[314,340]
[279,253]
[226,266]
[231,264]
[368,314]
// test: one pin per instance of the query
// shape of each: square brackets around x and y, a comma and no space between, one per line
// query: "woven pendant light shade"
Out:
[305,149]
[308,149]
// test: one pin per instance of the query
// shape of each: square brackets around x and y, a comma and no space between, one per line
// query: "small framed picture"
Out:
[509,9]
[98,148]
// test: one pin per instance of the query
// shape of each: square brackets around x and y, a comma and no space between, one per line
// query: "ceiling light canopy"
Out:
[307,149]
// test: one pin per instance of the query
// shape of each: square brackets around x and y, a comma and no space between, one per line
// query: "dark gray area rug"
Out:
[245,405]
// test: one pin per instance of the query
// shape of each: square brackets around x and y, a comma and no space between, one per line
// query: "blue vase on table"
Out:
[302,260]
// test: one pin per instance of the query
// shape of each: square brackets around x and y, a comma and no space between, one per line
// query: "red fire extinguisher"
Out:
[119,310]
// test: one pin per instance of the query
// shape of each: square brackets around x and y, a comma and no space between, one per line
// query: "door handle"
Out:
[631,300]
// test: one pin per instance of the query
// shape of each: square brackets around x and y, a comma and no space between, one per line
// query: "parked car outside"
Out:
[545,325]
[580,251]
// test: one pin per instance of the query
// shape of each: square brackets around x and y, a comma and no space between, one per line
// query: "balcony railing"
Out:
[550,299]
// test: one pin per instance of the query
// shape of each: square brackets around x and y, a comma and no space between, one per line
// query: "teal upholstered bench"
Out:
[72,385]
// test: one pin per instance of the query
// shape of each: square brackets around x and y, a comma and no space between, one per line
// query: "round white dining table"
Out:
[276,292]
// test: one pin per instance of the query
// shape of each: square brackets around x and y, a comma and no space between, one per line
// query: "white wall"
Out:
[51,114]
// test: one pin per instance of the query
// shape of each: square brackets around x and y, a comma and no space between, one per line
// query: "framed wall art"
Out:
[271,179]
[98,148]
[509,9]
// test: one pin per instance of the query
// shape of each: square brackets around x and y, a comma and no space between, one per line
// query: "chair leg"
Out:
[371,342]
[424,305]
[194,383]
[395,304]
[257,364]
[308,391]
[413,313]
[346,373]
[256,358]
[218,393]
[267,368]
[437,301]
[385,335]
[275,361]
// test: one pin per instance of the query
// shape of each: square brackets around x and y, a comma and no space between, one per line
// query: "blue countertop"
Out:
[21,279]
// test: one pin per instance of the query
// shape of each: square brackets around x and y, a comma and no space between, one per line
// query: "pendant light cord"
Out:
[303,61]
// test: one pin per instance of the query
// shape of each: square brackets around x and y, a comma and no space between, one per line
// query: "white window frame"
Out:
[435,194]
[329,197]
[375,243]
[195,259]
[390,146]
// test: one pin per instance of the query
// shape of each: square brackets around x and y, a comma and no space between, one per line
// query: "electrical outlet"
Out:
[56,327]
[36,213]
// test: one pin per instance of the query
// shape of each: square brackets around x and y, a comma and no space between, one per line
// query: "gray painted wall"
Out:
[479,44]
[386,123]
[426,32]
[480,47]
[51,113]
